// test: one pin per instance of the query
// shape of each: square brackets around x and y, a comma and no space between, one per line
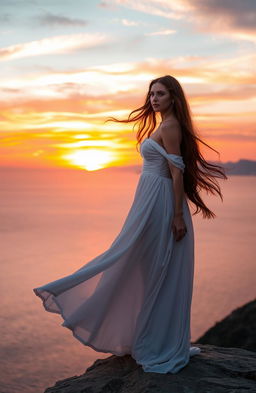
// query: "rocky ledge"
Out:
[214,370]
[238,329]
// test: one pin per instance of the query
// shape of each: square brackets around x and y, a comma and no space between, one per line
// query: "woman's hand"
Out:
[178,227]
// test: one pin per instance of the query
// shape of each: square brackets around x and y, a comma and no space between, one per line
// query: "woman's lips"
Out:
[155,104]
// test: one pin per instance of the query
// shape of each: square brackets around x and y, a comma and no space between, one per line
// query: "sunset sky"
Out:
[68,65]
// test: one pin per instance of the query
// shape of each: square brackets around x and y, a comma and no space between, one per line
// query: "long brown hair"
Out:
[198,174]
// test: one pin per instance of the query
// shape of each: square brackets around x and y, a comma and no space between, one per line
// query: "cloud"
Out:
[58,105]
[52,45]
[175,9]
[162,32]
[56,20]
[234,18]
[237,13]
[110,5]
[164,8]
[127,22]
[231,18]
[212,85]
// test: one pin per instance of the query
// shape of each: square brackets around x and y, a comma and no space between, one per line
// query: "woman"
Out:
[135,298]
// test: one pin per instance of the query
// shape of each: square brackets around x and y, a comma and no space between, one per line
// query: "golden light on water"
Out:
[90,159]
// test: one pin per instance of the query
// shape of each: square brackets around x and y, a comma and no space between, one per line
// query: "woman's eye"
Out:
[159,93]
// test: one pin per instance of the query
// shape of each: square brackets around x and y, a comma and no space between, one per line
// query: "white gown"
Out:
[135,298]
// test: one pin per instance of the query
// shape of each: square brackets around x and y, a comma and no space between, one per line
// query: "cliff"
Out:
[214,370]
[221,367]
[238,329]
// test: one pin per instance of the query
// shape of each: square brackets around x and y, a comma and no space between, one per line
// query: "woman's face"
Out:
[160,97]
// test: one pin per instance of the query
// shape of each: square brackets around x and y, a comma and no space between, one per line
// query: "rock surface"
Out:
[238,329]
[214,370]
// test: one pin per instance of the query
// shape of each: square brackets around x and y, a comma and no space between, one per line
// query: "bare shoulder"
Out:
[171,136]
[171,130]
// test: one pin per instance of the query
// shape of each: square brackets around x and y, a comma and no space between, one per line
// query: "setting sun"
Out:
[90,159]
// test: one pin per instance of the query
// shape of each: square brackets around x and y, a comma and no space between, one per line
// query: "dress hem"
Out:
[97,349]
[60,312]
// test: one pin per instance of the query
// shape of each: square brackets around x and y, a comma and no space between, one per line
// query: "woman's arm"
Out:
[178,224]
[171,137]
[178,187]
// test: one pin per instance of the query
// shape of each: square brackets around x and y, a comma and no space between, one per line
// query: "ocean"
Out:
[54,221]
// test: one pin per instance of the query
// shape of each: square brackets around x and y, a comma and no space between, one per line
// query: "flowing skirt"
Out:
[135,298]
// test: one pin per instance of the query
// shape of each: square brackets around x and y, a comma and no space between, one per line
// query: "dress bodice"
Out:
[155,159]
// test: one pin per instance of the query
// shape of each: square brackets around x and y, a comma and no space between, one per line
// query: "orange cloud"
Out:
[69,117]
